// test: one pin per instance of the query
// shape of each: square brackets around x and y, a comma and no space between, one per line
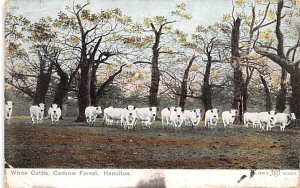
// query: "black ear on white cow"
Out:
[169,108]
[6,103]
[134,107]
[194,110]
[275,112]
[13,103]
[127,108]
[175,110]
[51,106]
[269,112]
[182,109]
[150,109]
[218,110]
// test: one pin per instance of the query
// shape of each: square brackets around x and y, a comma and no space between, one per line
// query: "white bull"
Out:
[192,117]
[37,113]
[267,120]
[146,115]
[130,117]
[165,117]
[54,113]
[211,118]
[91,113]
[176,118]
[284,119]
[228,118]
[110,114]
[251,117]
[8,110]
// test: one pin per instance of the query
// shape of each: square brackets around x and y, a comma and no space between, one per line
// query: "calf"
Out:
[228,118]
[91,113]
[192,117]
[165,117]
[284,119]
[267,120]
[54,113]
[8,110]
[251,118]
[211,118]
[111,114]
[146,115]
[176,118]
[130,117]
[37,113]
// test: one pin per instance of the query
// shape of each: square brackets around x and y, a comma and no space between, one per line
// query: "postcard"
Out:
[136,93]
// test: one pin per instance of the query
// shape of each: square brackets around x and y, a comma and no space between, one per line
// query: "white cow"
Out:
[211,118]
[228,118]
[111,114]
[192,117]
[37,113]
[91,113]
[165,117]
[176,118]
[8,110]
[54,113]
[251,117]
[284,119]
[146,115]
[267,120]
[130,117]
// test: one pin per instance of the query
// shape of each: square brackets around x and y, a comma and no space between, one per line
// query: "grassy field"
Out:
[73,145]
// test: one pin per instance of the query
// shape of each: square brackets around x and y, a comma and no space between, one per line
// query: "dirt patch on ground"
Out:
[71,145]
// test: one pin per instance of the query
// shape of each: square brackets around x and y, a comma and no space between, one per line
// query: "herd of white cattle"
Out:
[172,117]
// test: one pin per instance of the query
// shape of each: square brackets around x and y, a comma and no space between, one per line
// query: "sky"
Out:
[204,12]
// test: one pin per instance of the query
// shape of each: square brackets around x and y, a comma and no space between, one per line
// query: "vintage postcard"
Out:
[136,93]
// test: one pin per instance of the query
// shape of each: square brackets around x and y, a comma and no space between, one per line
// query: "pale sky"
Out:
[204,12]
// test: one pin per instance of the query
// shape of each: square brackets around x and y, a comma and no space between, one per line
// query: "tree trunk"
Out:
[93,89]
[183,91]
[295,98]
[267,94]
[84,99]
[43,80]
[62,89]
[42,88]
[238,74]
[155,78]
[281,97]
[207,88]
[245,98]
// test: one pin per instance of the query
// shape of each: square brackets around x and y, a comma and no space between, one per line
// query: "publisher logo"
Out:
[275,173]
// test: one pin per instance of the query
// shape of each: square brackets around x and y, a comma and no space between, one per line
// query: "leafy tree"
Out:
[160,28]
[283,55]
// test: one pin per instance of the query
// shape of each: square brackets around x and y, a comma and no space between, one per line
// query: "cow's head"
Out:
[98,110]
[130,109]
[153,111]
[42,107]
[233,112]
[198,112]
[293,117]
[178,112]
[9,105]
[215,113]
